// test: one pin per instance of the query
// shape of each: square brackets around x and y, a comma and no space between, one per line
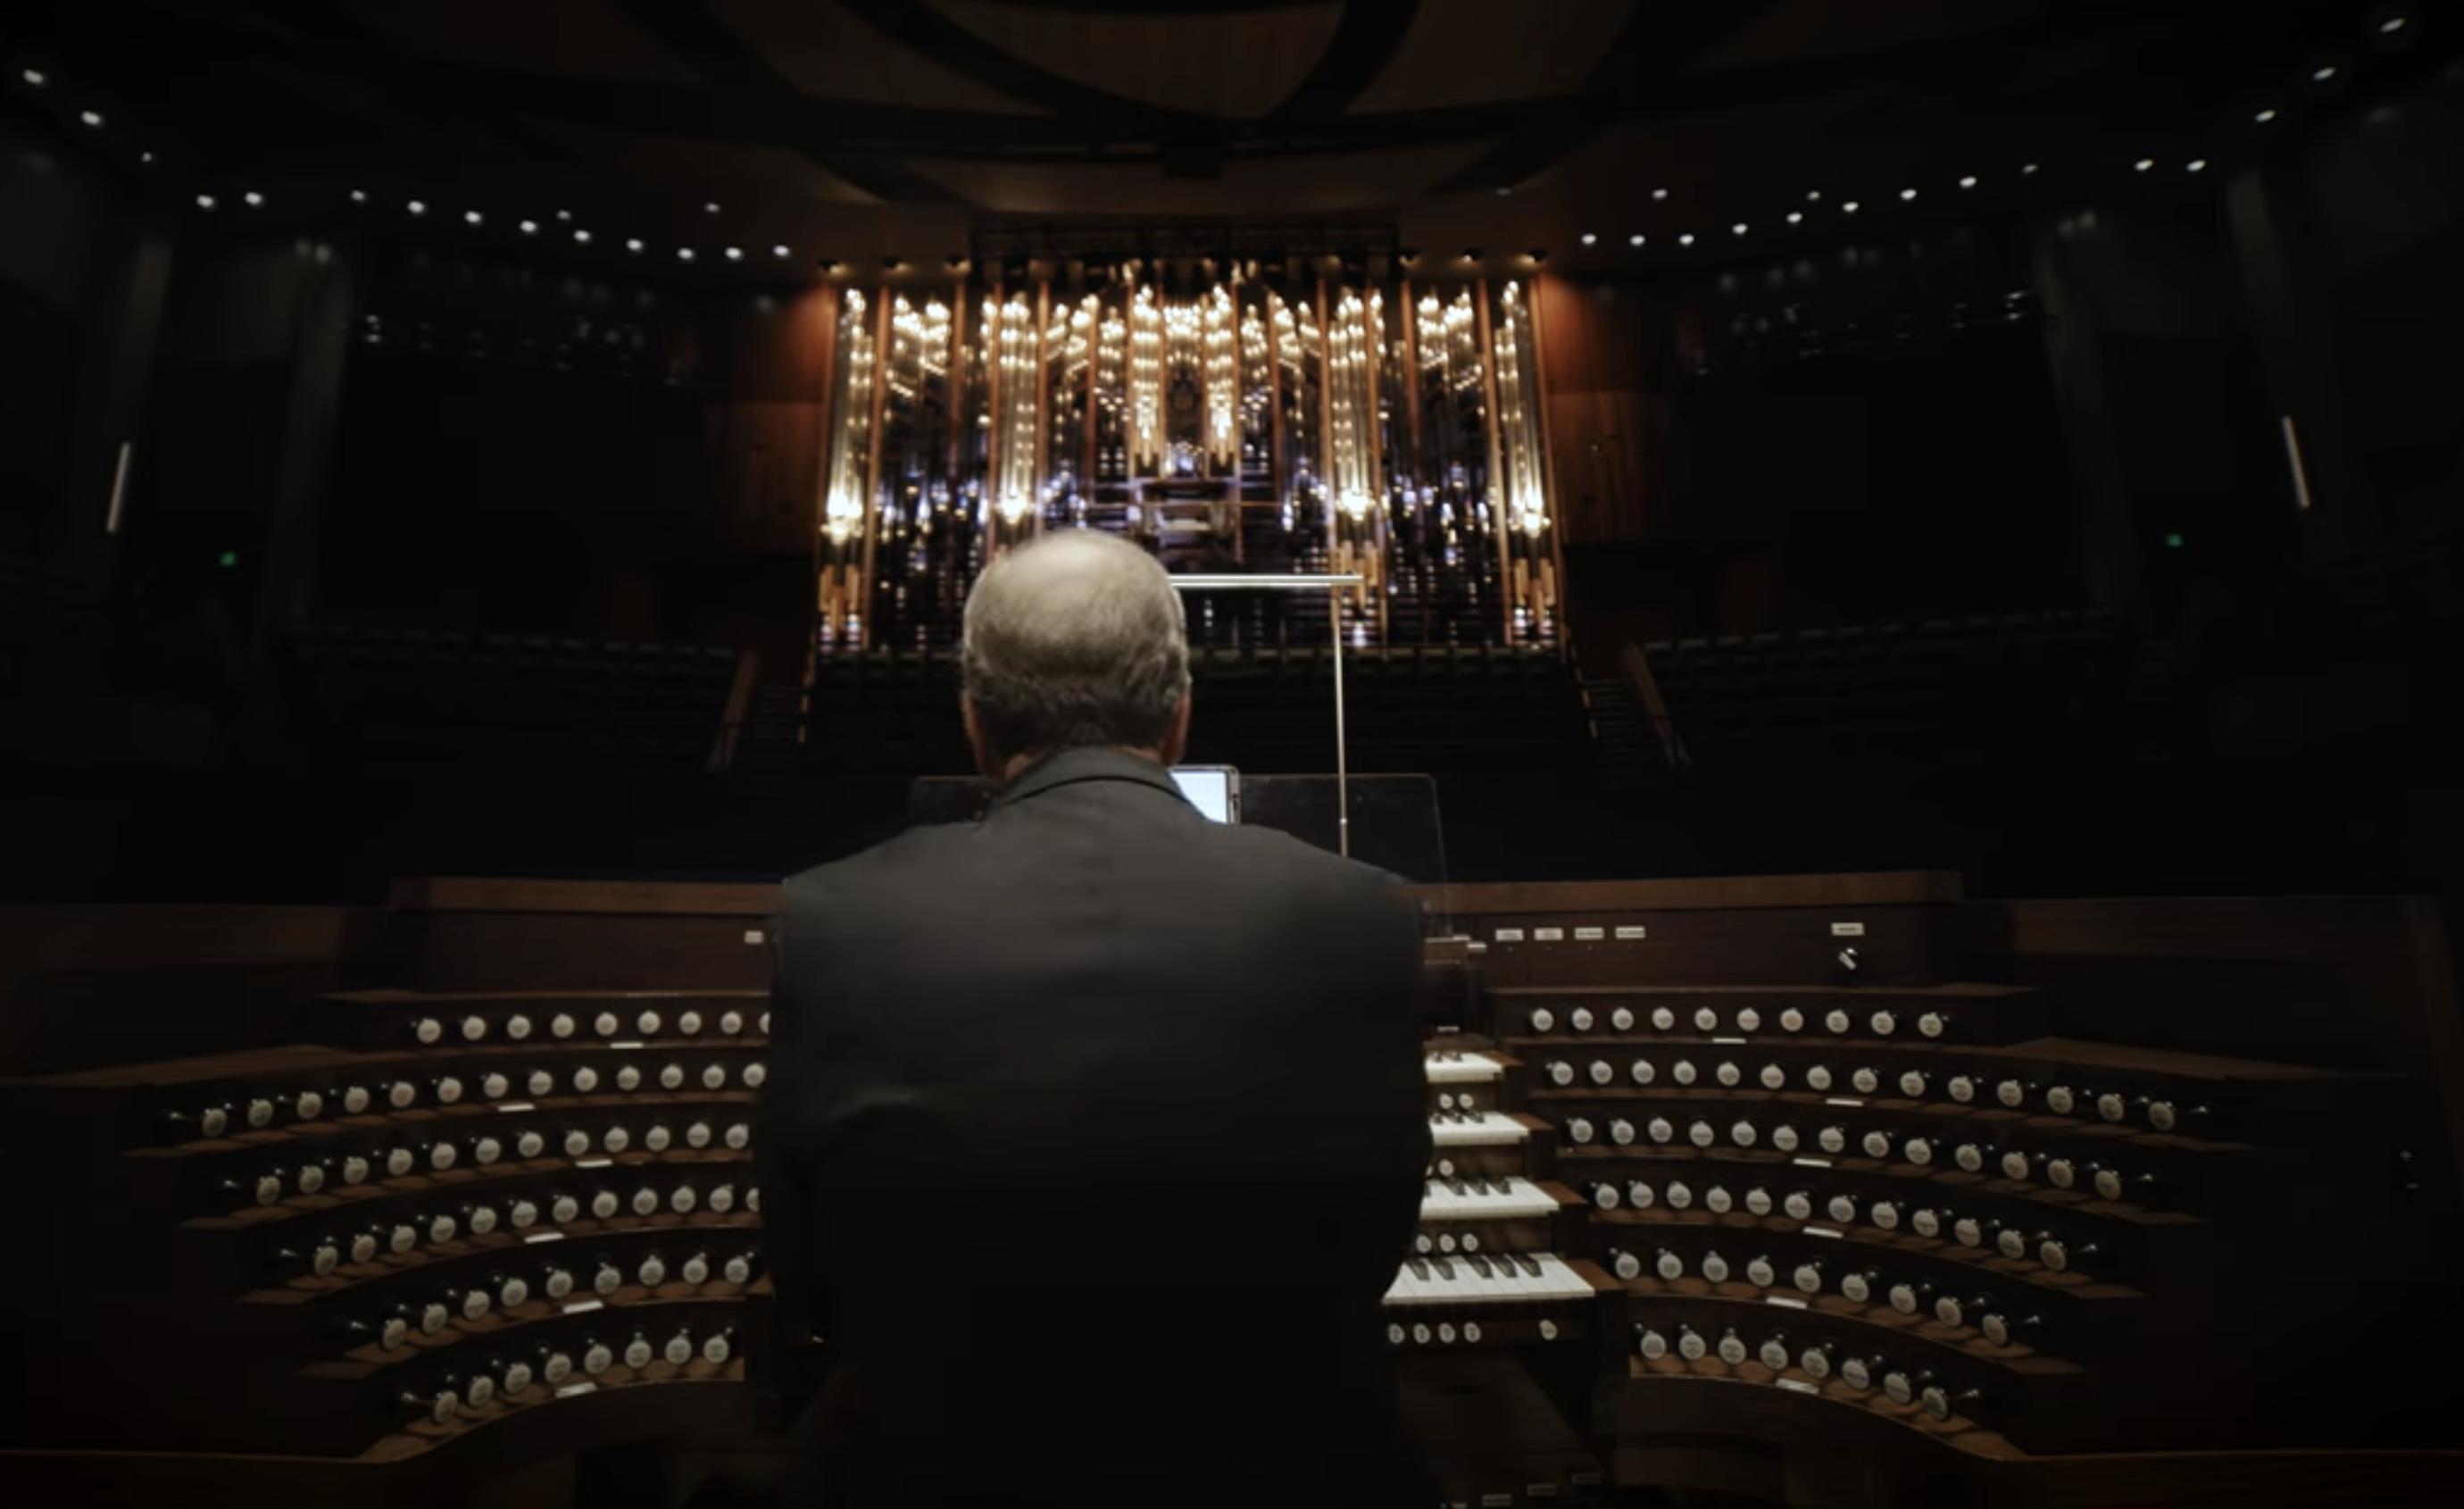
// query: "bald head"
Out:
[1075,638]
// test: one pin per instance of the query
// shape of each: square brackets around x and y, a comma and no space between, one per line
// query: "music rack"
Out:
[1873,1194]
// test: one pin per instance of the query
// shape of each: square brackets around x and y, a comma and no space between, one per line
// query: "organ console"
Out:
[1989,1202]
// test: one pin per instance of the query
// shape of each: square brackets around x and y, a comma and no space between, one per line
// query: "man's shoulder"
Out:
[1303,871]
[913,857]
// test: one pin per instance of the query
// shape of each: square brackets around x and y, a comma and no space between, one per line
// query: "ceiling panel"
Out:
[1279,187]
[1476,51]
[830,52]
[1236,64]
[587,39]
[1803,29]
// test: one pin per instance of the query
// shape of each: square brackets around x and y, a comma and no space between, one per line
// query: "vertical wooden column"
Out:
[1548,453]
[1043,405]
[1496,486]
[864,592]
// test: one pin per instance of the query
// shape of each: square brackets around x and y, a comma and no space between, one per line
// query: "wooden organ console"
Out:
[1824,1191]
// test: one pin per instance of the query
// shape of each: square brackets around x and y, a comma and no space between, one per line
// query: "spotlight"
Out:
[2322,73]
[735,253]
[1796,217]
[530,228]
[35,76]
[1685,238]
[777,251]
[1969,182]
[252,199]
[1739,229]
[581,237]
[2030,170]
[684,253]
[1906,195]
[2198,165]
[145,156]
[1814,196]
[205,201]
[1634,239]
[92,117]
[632,243]
[1850,207]
[1590,238]
[359,196]
[563,215]
[473,217]
[2143,164]
[417,207]
[2264,117]
[2391,26]
[1660,195]
[711,207]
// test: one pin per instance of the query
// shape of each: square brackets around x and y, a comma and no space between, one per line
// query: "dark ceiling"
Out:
[862,128]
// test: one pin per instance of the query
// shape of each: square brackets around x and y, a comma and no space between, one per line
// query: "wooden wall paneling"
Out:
[1607,416]
[94,984]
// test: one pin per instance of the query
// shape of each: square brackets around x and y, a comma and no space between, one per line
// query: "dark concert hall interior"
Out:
[1875,574]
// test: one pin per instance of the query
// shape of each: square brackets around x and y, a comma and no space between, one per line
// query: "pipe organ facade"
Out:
[1241,425]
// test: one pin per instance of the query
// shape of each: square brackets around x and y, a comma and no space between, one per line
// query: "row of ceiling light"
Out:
[2389,25]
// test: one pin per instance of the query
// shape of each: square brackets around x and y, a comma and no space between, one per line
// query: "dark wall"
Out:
[528,451]
[57,238]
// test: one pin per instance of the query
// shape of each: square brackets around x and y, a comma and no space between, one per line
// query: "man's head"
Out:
[1075,638]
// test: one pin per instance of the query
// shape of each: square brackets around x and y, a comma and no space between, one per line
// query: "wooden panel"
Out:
[1607,419]
[632,898]
[1881,888]
[89,985]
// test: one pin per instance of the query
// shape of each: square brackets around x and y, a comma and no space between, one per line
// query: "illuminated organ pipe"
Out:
[839,551]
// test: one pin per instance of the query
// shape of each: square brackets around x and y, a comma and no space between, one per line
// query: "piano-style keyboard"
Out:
[1474,1278]
[1476,1129]
[1461,1068]
[1478,1199]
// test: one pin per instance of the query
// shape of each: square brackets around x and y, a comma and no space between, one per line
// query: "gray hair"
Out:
[1074,639]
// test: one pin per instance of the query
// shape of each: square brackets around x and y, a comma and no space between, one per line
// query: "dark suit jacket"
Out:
[1093,1132]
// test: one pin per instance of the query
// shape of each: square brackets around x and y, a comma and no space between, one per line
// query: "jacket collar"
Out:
[1070,767]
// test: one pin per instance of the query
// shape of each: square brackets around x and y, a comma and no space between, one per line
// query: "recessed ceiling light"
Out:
[252,199]
[735,253]
[205,201]
[359,196]
[2322,73]
[2391,25]
[684,253]
[1814,196]
[530,228]
[1739,229]
[1591,238]
[632,243]
[472,217]
[1969,182]
[1850,207]
[1659,193]
[145,156]
[92,117]
[1685,239]
[1796,217]
[35,76]
[1634,239]
[1908,194]
[711,207]
[1503,189]
[563,215]
[2198,165]
[2143,164]
[2264,116]
[418,208]
[581,237]
[2030,169]
[778,251]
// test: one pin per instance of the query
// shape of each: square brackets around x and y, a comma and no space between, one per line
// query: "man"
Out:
[1094,1130]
